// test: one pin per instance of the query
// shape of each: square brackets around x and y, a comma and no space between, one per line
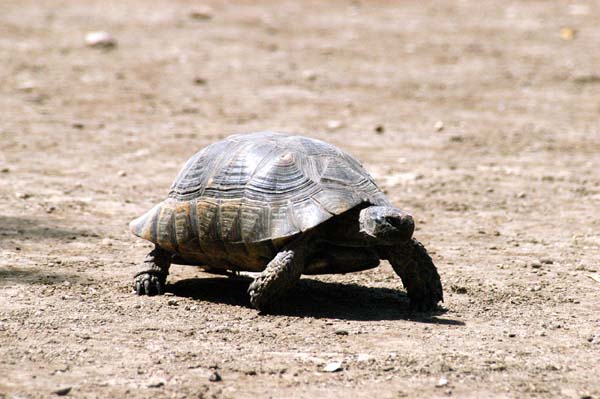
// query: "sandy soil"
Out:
[506,194]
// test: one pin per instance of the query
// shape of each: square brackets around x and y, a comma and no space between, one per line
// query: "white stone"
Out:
[100,39]
[332,367]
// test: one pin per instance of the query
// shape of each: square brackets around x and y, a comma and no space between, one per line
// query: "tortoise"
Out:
[282,205]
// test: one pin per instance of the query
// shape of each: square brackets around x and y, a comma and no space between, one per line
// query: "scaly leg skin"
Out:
[278,277]
[418,273]
[151,277]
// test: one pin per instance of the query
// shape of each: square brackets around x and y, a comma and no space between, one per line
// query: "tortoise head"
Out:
[387,224]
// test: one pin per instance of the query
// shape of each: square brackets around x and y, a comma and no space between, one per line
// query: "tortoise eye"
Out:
[394,222]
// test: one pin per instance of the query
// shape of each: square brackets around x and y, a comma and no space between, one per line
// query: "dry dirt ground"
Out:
[506,195]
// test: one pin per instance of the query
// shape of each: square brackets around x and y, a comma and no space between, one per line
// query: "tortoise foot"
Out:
[424,305]
[280,275]
[150,284]
[151,277]
[418,273]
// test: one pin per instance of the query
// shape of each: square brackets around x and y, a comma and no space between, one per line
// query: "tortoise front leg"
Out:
[152,274]
[279,276]
[419,275]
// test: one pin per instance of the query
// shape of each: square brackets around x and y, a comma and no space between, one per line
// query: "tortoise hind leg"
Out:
[278,277]
[151,277]
[418,273]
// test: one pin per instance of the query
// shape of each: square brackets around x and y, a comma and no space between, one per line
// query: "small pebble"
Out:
[458,289]
[442,382]
[121,173]
[50,209]
[172,302]
[380,129]
[547,261]
[334,124]
[156,383]
[215,377]
[555,325]
[22,195]
[567,33]
[62,391]
[522,195]
[536,265]
[333,367]
[77,125]
[107,242]
[200,81]
[201,13]
[4,170]
[309,75]
[100,39]
[27,86]
[341,332]
[439,126]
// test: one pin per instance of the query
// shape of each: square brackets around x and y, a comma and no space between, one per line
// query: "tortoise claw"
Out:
[147,287]
[160,288]
[149,284]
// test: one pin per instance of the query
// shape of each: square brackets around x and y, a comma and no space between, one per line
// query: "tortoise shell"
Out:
[256,187]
